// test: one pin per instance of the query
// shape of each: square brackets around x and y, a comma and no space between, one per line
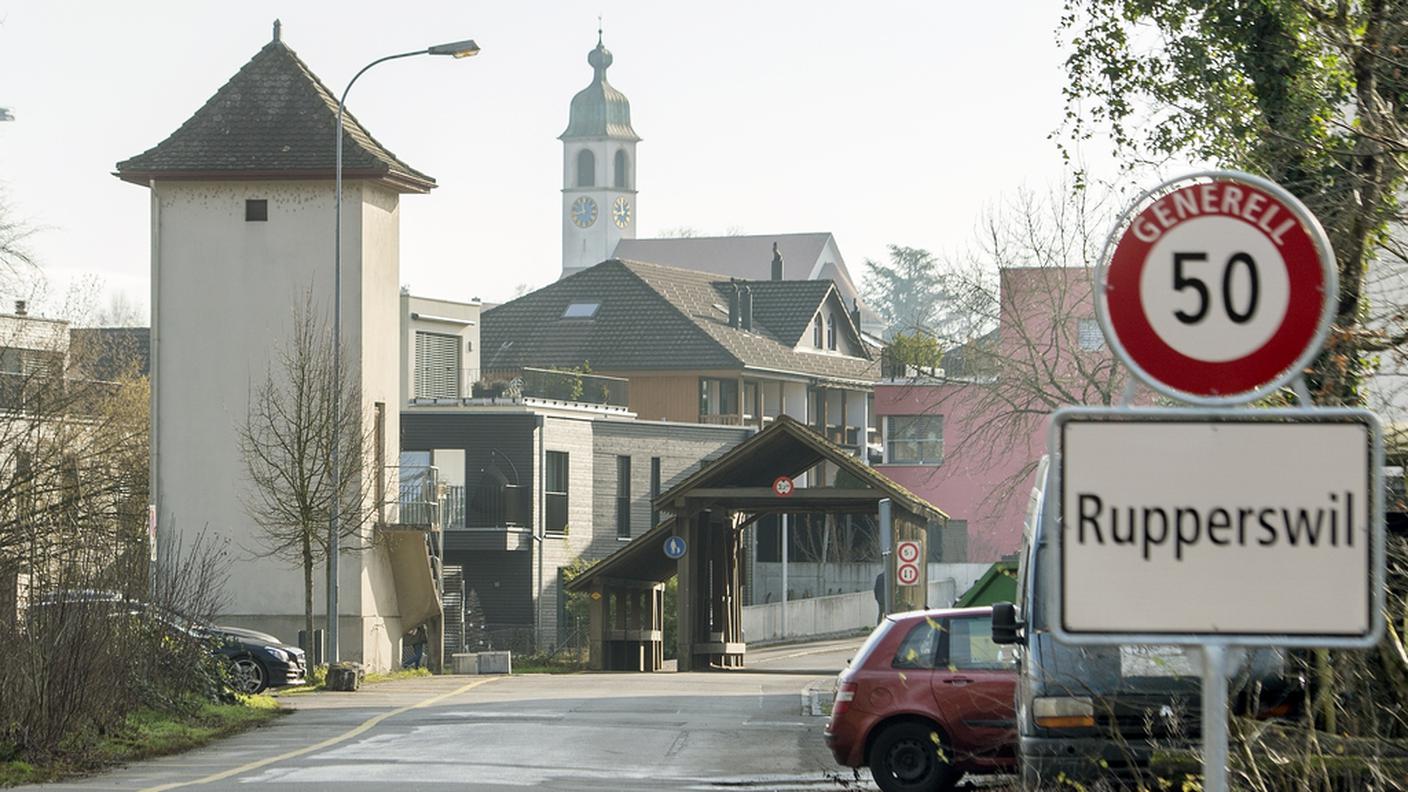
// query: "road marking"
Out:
[822,650]
[367,724]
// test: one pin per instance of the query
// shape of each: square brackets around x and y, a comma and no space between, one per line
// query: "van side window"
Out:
[920,648]
[970,646]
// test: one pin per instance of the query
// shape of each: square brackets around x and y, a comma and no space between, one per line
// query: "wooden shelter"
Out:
[709,511]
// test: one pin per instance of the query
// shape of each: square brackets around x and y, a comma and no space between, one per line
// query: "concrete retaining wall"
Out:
[840,613]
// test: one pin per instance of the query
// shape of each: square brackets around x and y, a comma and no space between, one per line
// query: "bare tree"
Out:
[287,441]
[1030,343]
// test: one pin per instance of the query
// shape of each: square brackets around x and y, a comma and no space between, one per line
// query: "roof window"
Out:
[581,310]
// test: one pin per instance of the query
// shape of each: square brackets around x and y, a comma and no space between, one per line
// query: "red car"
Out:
[927,699]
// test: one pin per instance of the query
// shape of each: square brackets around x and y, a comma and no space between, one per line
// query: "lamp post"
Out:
[457,49]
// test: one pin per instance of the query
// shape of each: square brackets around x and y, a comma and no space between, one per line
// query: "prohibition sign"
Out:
[907,552]
[1216,287]
[907,574]
[783,486]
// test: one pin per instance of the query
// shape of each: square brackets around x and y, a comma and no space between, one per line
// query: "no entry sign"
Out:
[1216,287]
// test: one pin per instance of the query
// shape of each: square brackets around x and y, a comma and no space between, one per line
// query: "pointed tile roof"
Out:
[273,120]
[654,317]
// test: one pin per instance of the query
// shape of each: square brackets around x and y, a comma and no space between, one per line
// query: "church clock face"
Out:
[584,212]
[621,212]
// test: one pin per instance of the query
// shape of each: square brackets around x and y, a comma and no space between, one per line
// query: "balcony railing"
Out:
[419,496]
[526,383]
[715,419]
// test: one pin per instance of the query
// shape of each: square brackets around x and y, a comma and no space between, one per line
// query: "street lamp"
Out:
[456,49]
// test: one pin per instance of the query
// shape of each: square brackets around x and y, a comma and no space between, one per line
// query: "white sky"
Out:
[879,123]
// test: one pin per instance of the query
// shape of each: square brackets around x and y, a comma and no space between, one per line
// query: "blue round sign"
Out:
[675,547]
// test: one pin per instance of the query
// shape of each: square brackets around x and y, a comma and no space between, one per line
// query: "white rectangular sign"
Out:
[1242,525]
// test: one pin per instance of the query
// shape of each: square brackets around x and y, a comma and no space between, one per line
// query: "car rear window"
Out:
[920,647]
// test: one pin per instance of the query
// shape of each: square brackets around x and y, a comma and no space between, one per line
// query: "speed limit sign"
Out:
[907,552]
[1216,287]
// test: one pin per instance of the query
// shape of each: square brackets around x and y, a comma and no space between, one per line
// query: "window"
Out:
[623,497]
[751,405]
[555,488]
[817,330]
[914,439]
[970,645]
[437,366]
[623,170]
[718,396]
[831,332]
[654,490]
[256,210]
[586,168]
[1088,335]
[580,310]
[920,649]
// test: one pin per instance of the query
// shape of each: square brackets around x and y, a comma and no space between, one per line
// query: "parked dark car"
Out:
[256,660]
[927,699]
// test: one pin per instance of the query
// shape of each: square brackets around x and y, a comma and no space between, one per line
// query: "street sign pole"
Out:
[1215,717]
[886,526]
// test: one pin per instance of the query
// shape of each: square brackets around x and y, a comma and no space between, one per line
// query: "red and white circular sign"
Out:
[907,574]
[1217,287]
[783,486]
[907,552]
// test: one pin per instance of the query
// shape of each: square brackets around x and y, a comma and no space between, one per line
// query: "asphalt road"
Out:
[699,731]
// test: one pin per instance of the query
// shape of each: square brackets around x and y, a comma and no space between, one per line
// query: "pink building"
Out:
[968,438]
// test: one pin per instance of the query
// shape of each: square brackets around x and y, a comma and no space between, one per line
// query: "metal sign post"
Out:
[886,526]
[1214,717]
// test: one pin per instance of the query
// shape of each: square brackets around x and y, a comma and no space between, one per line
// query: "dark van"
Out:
[1091,713]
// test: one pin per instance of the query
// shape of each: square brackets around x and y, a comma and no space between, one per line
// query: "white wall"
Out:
[833,615]
[807,578]
[223,294]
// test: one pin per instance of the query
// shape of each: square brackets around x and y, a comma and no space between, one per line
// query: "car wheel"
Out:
[247,675]
[912,757]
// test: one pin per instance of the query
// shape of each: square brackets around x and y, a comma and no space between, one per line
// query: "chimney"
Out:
[20,308]
[855,313]
[776,262]
[745,308]
[733,304]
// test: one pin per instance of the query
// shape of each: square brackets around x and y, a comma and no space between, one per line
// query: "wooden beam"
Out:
[801,494]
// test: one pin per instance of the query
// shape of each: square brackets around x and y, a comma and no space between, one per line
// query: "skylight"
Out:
[580,310]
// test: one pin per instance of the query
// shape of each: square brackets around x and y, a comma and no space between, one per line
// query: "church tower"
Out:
[598,170]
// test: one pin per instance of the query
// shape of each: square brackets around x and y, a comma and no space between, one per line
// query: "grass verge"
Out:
[144,734]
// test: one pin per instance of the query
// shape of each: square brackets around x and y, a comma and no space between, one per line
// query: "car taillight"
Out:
[845,694]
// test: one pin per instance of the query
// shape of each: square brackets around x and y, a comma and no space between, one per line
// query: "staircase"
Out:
[453,606]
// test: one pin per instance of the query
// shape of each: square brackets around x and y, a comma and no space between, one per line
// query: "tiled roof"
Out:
[653,317]
[273,119]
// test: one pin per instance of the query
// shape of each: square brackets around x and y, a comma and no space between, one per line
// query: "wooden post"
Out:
[596,628]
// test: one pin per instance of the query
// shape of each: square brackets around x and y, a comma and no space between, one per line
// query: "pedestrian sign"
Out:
[675,547]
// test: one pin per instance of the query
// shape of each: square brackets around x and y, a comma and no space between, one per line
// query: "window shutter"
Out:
[437,366]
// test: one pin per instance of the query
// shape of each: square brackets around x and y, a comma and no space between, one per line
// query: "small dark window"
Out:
[556,492]
[256,210]
[623,497]
[831,332]
[586,168]
[654,490]
[623,171]
[817,330]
